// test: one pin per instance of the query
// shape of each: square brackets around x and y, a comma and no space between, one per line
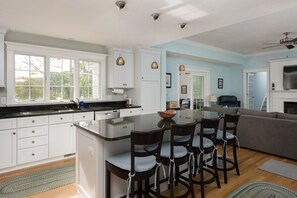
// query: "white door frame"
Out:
[263,69]
[196,69]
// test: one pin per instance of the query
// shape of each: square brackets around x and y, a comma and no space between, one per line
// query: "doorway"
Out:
[256,87]
[194,88]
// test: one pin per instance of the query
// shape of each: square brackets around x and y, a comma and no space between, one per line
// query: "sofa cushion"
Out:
[286,116]
[257,113]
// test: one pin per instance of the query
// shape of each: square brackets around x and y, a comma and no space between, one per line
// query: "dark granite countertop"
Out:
[38,110]
[112,129]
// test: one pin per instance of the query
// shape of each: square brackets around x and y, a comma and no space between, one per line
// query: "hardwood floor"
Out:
[249,161]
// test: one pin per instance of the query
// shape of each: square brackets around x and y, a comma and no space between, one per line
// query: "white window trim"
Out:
[20,48]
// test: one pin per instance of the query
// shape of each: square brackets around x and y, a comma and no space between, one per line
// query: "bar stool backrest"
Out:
[140,139]
[209,124]
[230,124]
[184,134]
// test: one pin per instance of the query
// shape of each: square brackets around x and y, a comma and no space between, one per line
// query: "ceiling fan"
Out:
[288,42]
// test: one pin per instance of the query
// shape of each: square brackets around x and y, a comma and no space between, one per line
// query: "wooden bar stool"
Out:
[178,152]
[228,137]
[204,144]
[138,164]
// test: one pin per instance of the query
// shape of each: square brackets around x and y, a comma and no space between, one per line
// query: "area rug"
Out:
[262,190]
[280,168]
[37,182]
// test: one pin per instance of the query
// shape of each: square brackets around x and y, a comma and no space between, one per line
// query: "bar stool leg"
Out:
[216,168]
[201,175]
[107,183]
[225,164]
[139,186]
[235,157]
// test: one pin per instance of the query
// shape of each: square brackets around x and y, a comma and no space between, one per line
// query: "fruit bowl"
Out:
[167,114]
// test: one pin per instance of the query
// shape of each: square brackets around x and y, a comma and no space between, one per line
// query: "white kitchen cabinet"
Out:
[61,135]
[7,142]
[7,148]
[2,75]
[61,139]
[144,59]
[120,76]
[32,121]
[130,112]
[32,139]
[147,90]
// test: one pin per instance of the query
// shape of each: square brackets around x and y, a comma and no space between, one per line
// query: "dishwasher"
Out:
[102,115]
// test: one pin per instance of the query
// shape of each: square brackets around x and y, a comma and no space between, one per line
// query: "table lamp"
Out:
[212,99]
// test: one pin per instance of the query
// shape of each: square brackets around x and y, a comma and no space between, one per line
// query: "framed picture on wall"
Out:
[183,89]
[220,83]
[168,80]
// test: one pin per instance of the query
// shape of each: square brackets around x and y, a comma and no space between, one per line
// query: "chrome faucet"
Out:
[75,102]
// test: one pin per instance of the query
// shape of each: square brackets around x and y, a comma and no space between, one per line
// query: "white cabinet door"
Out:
[7,148]
[121,76]
[150,97]
[147,73]
[2,75]
[61,139]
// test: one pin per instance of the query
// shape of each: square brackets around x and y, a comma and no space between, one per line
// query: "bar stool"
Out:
[138,164]
[228,137]
[178,152]
[206,144]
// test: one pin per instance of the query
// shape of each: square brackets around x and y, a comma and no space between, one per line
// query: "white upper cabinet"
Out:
[144,59]
[120,76]
[2,34]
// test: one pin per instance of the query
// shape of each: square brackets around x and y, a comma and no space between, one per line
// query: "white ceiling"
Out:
[100,22]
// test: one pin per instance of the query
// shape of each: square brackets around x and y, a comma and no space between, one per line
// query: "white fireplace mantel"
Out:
[277,99]
[279,95]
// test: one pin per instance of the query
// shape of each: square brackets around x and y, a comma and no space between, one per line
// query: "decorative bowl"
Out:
[167,114]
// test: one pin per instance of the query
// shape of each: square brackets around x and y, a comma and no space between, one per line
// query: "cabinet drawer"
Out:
[32,142]
[61,118]
[9,123]
[32,154]
[32,131]
[83,116]
[121,129]
[32,121]
[130,112]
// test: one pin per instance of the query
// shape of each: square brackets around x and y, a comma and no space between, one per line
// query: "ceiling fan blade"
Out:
[271,43]
[294,40]
[272,46]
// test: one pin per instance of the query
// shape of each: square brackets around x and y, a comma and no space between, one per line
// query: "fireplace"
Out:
[290,107]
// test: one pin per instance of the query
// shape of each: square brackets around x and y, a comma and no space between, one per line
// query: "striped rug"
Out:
[262,190]
[37,182]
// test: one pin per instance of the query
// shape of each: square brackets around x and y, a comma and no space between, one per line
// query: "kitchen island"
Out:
[99,139]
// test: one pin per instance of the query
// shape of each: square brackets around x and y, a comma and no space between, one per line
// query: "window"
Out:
[38,74]
[61,79]
[29,78]
[88,79]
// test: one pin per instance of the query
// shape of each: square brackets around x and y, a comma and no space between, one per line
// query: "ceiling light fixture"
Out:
[120,60]
[182,68]
[154,64]
[182,25]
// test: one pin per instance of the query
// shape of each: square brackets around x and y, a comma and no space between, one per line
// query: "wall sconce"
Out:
[120,4]
[182,68]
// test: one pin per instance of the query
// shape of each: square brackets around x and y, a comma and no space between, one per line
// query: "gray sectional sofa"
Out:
[270,132]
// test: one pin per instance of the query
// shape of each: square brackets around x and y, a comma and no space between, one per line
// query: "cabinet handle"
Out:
[124,127]
[33,154]
[33,142]
[141,77]
[13,133]
[33,131]
[61,118]
[124,84]
[84,116]
[33,121]
[130,111]
[71,125]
